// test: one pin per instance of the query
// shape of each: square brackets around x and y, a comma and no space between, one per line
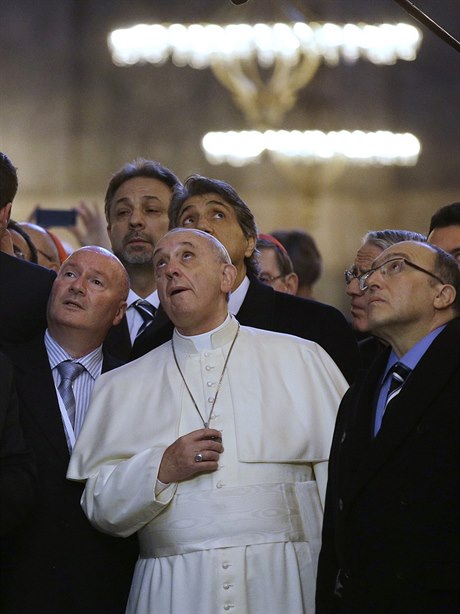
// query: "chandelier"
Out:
[266,64]
[381,148]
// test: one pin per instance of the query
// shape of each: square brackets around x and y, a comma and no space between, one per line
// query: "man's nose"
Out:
[204,225]
[136,218]
[78,286]
[353,289]
[171,269]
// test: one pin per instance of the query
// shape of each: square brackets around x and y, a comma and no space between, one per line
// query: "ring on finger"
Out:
[198,457]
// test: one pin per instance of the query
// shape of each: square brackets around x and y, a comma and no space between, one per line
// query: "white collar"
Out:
[237,296]
[218,337]
[151,298]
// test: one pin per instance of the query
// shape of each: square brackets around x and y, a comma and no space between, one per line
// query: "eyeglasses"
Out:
[391,268]
[18,252]
[351,274]
[265,278]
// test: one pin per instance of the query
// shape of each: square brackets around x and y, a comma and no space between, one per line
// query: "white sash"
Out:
[242,516]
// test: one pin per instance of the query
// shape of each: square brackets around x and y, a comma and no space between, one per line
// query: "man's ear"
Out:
[292,283]
[120,313]
[5,213]
[445,297]
[229,273]
[250,247]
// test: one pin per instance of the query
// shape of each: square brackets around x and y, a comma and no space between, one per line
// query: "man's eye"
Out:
[187,221]
[219,215]
[97,282]
[121,212]
[187,255]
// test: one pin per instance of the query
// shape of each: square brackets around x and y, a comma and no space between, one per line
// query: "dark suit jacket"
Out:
[280,312]
[118,342]
[29,285]
[17,468]
[58,563]
[391,522]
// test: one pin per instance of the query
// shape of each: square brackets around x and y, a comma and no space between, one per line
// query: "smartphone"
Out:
[56,217]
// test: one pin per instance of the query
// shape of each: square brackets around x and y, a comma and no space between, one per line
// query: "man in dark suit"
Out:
[136,209]
[215,207]
[29,284]
[56,562]
[390,540]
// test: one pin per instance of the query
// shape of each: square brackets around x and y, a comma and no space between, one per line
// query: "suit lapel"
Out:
[38,395]
[405,412]
[258,307]
[159,331]
[118,341]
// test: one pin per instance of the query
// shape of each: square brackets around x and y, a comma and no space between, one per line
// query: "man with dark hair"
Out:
[445,229]
[390,538]
[28,283]
[136,209]
[215,207]
[305,256]
[8,181]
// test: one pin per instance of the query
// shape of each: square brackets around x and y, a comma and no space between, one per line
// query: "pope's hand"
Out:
[182,459]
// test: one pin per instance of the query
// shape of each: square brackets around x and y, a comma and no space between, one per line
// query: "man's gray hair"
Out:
[387,238]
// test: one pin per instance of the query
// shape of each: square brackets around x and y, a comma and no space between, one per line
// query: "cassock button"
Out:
[210,399]
[220,485]
[341,505]
[226,586]
[210,384]
[344,436]
[225,565]
[227,606]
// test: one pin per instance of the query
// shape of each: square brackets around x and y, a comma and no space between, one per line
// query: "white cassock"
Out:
[244,539]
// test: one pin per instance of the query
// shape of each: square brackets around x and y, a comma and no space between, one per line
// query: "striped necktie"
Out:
[147,311]
[69,371]
[399,375]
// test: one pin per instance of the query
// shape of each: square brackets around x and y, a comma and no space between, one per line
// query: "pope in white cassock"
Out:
[213,448]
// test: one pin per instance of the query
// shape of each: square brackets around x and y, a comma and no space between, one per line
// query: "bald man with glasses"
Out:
[391,526]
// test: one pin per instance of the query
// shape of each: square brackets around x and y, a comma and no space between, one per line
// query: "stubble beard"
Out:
[135,257]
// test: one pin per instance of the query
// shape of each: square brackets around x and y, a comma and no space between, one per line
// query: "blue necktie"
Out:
[147,311]
[69,371]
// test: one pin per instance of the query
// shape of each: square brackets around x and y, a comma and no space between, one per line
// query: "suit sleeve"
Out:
[17,468]
[339,341]
[23,300]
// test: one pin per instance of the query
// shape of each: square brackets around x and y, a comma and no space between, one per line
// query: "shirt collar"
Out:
[151,298]
[57,354]
[237,296]
[413,356]
[218,337]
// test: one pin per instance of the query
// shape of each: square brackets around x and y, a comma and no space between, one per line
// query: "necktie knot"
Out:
[147,312]
[399,374]
[69,370]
